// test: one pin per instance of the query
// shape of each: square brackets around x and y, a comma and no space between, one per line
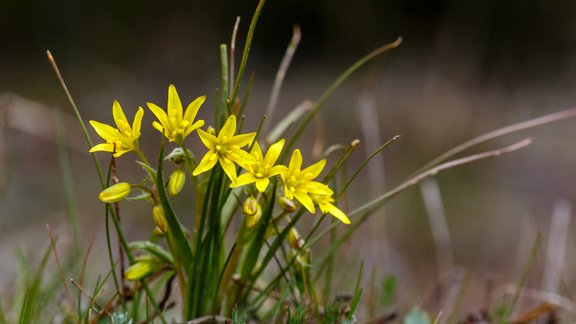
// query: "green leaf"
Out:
[153,249]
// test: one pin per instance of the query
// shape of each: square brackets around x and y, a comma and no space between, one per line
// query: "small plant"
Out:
[244,258]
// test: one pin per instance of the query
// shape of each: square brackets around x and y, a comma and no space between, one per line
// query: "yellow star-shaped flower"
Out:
[322,195]
[225,148]
[298,183]
[122,139]
[263,167]
[176,124]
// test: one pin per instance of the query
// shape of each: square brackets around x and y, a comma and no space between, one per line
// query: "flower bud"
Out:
[158,232]
[115,192]
[143,267]
[211,130]
[286,204]
[176,182]
[295,240]
[252,211]
[159,218]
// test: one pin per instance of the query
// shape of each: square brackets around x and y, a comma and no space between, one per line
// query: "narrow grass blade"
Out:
[184,253]
[546,119]
[359,215]
[281,74]
[282,126]
[32,305]
[67,179]
[224,76]
[246,52]
[78,116]
[324,97]
[357,292]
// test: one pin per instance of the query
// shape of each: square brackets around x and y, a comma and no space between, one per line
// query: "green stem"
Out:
[247,45]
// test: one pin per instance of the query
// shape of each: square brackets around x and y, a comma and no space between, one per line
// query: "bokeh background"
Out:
[464,68]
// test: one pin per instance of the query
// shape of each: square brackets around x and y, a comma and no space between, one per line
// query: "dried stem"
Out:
[565,114]
[281,74]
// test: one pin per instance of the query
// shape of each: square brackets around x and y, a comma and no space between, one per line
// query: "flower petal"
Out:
[107,132]
[276,170]
[120,151]
[305,200]
[208,162]
[241,140]
[229,128]
[194,126]
[208,139]
[229,168]
[262,184]
[159,113]
[256,151]
[192,109]
[314,170]
[243,179]
[103,147]
[338,214]
[158,126]
[242,158]
[274,152]
[120,118]
[174,105]
[295,160]
[137,123]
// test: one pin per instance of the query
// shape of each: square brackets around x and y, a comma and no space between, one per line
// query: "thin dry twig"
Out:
[281,74]
[60,271]
[535,294]
[359,215]
[565,114]
[445,166]
[232,54]
[93,301]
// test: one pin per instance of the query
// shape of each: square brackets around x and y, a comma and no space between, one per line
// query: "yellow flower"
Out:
[122,139]
[298,183]
[322,195]
[176,124]
[225,149]
[115,192]
[263,167]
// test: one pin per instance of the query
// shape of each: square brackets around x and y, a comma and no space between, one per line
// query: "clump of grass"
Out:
[249,188]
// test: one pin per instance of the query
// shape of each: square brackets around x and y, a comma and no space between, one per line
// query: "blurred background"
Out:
[464,68]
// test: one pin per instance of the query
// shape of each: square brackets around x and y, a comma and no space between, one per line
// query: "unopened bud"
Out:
[158,232]
[295,240]
[250,205]
[159,218]
[115,192]
[144,266]
[176,182]
[286,204]
[252,211]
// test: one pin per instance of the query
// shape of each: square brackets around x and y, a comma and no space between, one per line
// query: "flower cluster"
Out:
[226,149]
